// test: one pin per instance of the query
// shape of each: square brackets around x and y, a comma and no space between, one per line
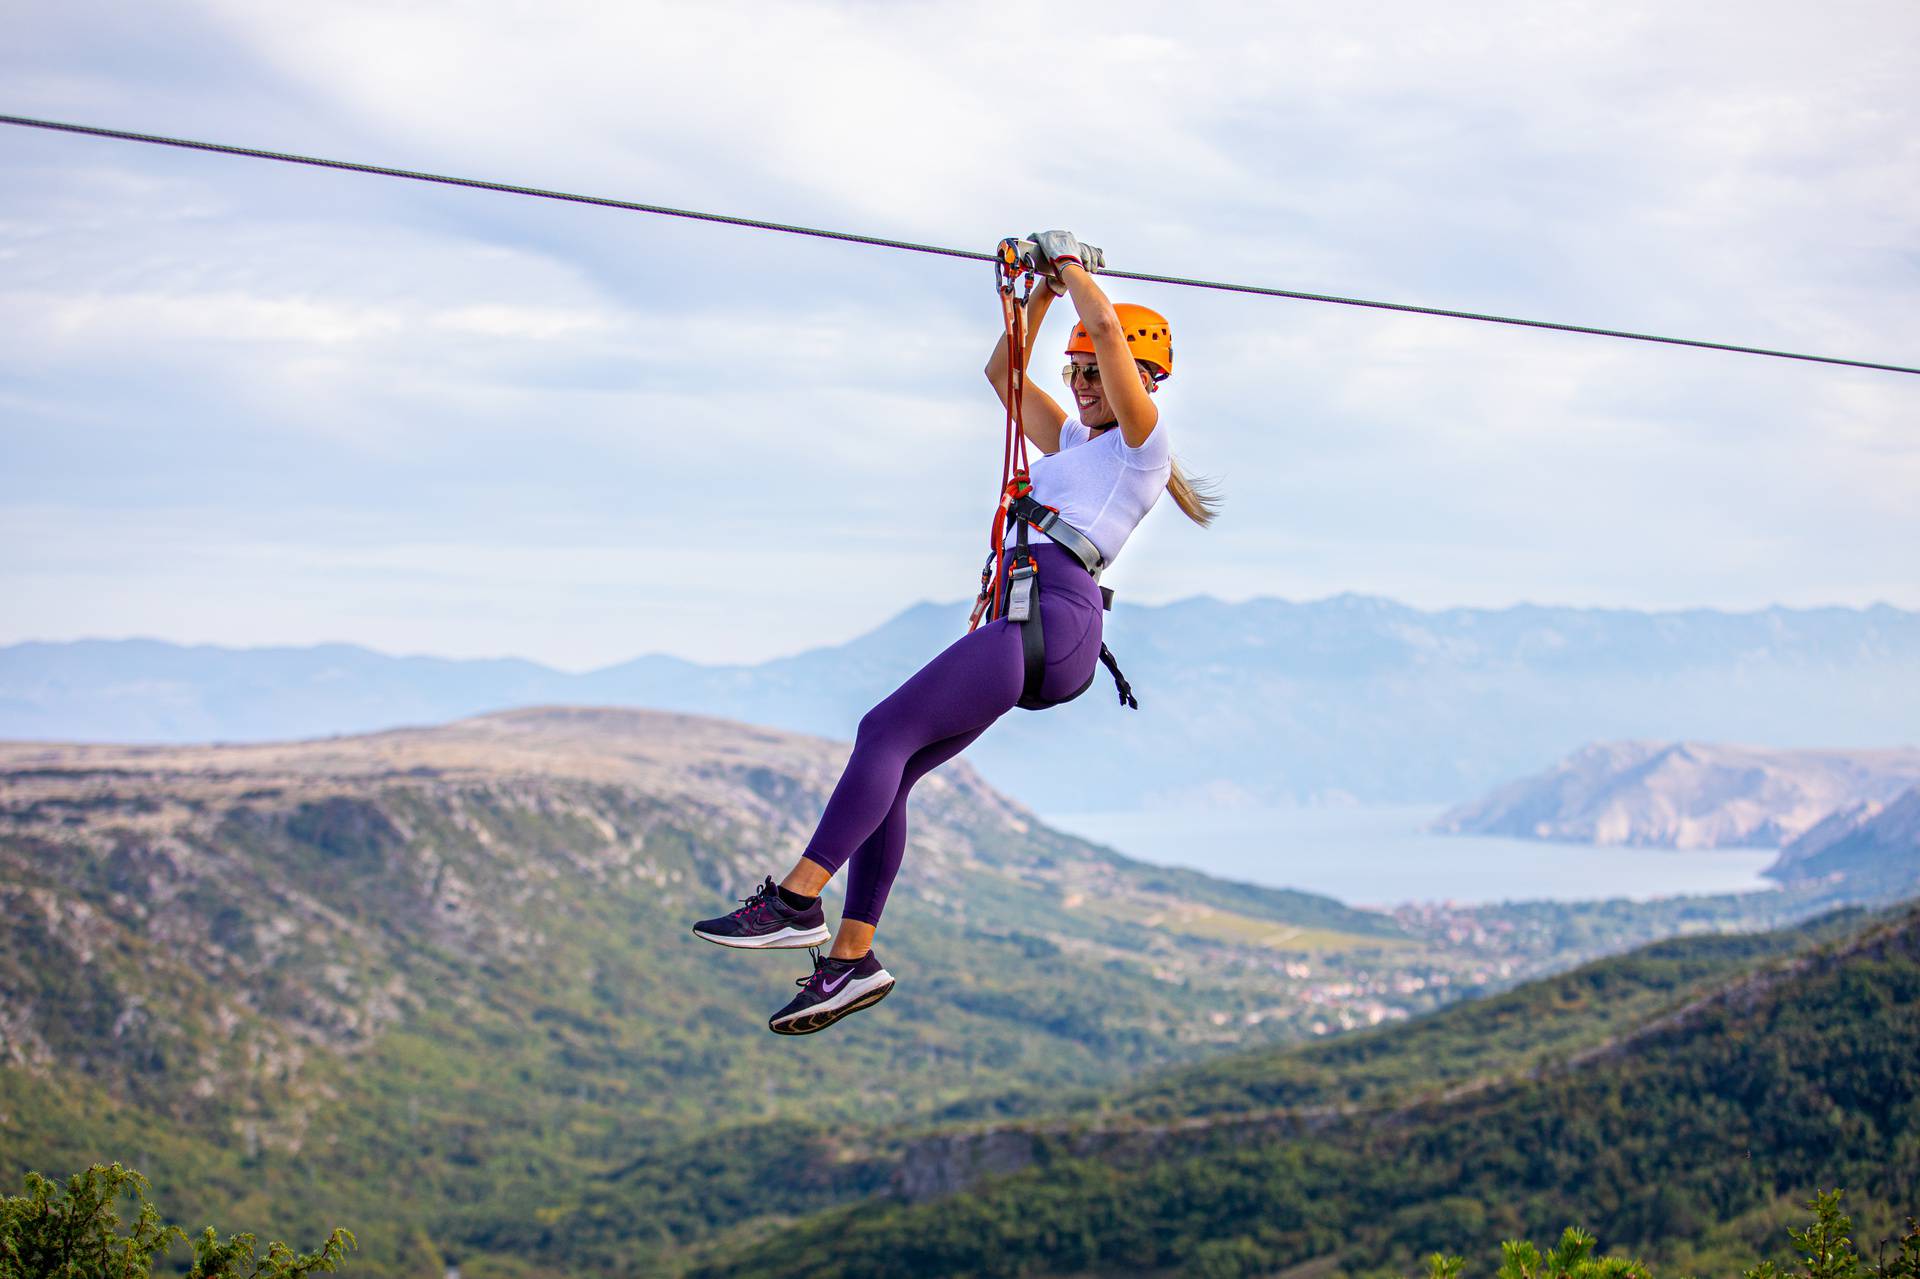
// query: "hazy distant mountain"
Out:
[1686,794]
[1868,838]
[1262,701]
[150,691]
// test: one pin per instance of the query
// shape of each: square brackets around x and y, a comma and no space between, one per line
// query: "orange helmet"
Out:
[1148,337]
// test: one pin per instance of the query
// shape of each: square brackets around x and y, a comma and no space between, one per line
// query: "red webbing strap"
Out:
[1009,274]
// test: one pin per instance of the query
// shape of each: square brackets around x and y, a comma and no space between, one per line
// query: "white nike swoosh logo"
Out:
[829,988]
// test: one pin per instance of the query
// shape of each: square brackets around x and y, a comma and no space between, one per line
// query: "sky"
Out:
[246,403]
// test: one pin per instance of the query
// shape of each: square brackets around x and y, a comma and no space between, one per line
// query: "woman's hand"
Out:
[1040,413]
[1056,248]
[1059,247]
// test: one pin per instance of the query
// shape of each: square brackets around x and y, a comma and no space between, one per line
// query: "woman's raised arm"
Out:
[1040,414]
[1127,394]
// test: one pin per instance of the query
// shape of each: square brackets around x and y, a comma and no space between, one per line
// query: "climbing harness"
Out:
[1011,589]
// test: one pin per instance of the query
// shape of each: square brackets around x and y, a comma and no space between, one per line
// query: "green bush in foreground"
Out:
[1571,1258]
[1826,1250]
[74,1233]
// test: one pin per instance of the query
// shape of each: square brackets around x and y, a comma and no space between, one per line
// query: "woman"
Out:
[1102,470]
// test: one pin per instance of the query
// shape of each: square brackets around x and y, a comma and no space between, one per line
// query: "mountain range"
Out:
[437,985]
[1265,701]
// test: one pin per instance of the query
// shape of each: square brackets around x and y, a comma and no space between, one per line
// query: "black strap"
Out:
[1119,680]
[1033,641]
[1030,511]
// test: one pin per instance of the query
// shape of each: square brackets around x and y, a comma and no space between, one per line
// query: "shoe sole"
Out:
[786,939]
[808,1023]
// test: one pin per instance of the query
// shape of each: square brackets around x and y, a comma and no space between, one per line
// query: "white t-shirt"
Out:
[1100,486]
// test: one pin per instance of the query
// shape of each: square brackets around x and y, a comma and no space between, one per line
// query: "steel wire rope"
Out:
[759,224]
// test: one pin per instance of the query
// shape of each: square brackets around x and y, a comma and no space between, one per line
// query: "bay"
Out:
[1382,856]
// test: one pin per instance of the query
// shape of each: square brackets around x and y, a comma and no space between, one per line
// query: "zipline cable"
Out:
[882,242]
[479,184]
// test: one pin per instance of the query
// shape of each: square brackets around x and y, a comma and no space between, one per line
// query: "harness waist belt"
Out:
[1048,521]
[1020,604]
[1076,543]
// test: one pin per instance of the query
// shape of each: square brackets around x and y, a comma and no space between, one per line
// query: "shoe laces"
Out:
[764,893]
[820,963]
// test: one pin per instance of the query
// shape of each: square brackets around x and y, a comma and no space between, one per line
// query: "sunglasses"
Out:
[1091,372]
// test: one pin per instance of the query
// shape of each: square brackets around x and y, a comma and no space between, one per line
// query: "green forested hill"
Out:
[1467,1042]
[438,985]
[1680,1133]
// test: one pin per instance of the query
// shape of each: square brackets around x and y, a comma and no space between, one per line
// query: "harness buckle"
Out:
[1020,582]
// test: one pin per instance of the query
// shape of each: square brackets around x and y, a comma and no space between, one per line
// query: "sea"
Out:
[1383,856]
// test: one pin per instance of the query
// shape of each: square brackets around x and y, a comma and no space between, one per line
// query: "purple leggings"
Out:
[936,714]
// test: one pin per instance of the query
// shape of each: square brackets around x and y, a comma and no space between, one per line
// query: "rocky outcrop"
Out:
[198,929]
[1867,838]
[1686,794]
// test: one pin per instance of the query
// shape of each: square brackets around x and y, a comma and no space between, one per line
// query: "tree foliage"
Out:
[1667,1140]
[74,1232]
[1825,1246]
[1827,1250]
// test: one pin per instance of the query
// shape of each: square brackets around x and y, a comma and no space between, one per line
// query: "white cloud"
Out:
[197,343]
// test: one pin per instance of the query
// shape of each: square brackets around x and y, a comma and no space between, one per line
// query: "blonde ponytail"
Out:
[1199,500]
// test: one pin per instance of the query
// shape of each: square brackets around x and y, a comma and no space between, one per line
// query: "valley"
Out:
[436,984]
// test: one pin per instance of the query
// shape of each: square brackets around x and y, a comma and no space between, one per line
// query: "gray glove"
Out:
[1055,246]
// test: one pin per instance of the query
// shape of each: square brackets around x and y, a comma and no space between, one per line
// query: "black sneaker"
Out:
[836,988]
[764,922]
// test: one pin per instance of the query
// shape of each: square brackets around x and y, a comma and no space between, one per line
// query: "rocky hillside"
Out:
[437,984]
[1686,794]
[1867,839]
[430,982]
[307,897]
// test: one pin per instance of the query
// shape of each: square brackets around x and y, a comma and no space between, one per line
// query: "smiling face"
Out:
[1091,396]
